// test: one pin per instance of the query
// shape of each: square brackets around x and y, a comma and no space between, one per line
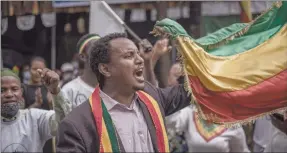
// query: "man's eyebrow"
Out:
[127,50]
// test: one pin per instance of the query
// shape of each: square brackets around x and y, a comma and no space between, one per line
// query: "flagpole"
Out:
[129,30]
[53,47]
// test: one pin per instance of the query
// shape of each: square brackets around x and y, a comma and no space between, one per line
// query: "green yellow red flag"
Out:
[238,73]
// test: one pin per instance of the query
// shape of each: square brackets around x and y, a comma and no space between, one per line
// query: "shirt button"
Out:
[130,141]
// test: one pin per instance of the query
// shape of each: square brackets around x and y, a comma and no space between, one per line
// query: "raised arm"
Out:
[171,99]
[62,108]
[60,105]
[150,58]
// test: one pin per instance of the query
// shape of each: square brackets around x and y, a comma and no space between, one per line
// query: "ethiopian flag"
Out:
[238,73]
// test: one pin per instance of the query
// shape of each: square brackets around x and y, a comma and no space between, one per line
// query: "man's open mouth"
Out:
[139,72]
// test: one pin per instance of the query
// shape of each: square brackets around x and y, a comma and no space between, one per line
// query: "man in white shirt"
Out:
[28,130]
[78,90]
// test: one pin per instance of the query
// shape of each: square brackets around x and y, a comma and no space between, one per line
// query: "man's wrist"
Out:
[148,61]
[155,56]
[55,91]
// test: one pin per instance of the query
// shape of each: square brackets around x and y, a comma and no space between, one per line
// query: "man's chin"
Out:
[139,86]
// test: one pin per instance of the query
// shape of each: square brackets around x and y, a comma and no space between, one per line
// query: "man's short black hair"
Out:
[99,53]
[37,58]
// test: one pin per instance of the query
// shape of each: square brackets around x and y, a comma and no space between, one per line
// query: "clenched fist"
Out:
[50,79]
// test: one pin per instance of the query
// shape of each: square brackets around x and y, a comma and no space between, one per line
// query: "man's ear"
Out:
[82,57]
[104,70]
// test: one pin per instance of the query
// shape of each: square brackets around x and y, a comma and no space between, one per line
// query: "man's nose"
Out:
[8,94]
[139,59]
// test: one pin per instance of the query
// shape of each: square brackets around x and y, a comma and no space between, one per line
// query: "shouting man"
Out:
[28,130]
[125,113]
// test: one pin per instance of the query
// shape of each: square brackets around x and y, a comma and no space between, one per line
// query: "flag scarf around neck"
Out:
[106,130]
[238,73]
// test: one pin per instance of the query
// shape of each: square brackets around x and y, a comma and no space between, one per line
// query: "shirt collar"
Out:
[111,103]
[10,120]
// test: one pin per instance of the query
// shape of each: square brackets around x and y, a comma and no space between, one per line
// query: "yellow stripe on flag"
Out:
[158,112]
[91,102]
[236,72]
[105,138]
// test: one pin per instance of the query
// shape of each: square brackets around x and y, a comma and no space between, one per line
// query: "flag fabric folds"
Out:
[238,73]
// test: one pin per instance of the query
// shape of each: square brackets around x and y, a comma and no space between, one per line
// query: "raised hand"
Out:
[161,47]
[144,45]
[50,79]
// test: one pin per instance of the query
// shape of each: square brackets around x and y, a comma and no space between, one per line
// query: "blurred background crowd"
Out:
[51,29]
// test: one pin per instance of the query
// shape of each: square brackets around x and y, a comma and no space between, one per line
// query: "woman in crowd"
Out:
[35,93]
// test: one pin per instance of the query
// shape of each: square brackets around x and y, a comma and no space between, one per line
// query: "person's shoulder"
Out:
[34,114]
[37,111]
[151,90]
[71,85]
[80,114]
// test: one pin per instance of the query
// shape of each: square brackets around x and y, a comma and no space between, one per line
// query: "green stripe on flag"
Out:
[236,38]
[110,128]
[264,28]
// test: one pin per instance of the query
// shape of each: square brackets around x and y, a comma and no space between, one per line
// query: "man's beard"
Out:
[9,110]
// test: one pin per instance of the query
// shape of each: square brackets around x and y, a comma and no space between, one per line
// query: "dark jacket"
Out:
[78,133]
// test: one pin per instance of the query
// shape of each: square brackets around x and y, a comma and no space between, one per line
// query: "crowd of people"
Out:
[109,101]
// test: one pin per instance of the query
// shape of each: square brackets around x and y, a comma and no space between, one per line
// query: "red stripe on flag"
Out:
[264,97]
[155,118]
[97,111]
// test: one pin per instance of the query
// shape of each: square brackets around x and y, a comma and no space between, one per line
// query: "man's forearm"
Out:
[154,60]
[62,108]
[149,73]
